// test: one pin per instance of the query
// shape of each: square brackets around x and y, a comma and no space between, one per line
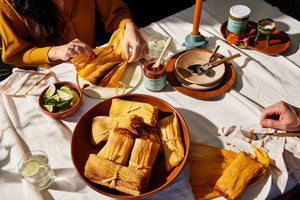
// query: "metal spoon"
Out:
[259,136]
[202,69]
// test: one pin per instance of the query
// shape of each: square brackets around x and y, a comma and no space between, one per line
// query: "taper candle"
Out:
[197,15]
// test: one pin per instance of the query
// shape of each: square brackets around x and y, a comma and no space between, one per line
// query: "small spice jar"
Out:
[238,18]
[155,79]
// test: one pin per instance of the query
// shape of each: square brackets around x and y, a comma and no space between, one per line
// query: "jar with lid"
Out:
[238,18]
[155,79]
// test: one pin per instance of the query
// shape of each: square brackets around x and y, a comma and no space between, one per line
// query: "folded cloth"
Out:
[27,82]
[284,152]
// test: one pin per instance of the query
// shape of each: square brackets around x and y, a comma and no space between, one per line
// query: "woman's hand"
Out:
[281,116]
[70,50]
[134,41]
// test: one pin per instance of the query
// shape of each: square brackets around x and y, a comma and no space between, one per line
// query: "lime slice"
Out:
[63,104]
[160,44]
[30,168]
[49,108]
[50,92]
[66,88]
[64,96]
[56,97]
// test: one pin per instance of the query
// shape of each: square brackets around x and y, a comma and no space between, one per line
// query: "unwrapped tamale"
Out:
[118,146]
[170,135]
[132,123]
[113,175]
[146,111]
[100,129]
[237,176]
[143,156]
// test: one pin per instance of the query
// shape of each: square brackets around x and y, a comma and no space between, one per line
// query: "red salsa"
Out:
[154,77]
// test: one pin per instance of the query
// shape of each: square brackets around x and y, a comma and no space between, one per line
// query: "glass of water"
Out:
[34,167]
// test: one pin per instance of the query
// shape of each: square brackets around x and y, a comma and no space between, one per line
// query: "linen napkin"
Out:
[284,152]
[27,82]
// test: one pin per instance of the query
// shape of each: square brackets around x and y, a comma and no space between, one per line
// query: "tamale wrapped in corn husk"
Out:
[152,133]
[132,123]
[237,176]
[171,141]
[110,174]
[143,156]
[118,146]
[100,129]
[146,111]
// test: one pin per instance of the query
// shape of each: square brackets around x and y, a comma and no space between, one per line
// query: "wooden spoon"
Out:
[158,61]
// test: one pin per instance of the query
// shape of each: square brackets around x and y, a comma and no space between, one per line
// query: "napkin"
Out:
[27,82]
[284,152]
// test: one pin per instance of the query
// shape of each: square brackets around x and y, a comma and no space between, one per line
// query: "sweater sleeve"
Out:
[112,13]
[17,48]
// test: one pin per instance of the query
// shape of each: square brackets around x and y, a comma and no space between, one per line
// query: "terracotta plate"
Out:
[81,146]
[227,82]
[279,40]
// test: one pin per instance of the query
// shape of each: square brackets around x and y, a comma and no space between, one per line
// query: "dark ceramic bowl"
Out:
[67,112]
[81,146]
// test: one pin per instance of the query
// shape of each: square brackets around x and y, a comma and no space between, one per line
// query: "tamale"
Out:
[100,129]
[237,175]
[152,133]
[146,111]
[171,141]
[113,175]
[118,146]
[143,156]
[206,165]
[132,123]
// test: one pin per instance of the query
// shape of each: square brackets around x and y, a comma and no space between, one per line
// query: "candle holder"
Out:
[267,27]
[194,41]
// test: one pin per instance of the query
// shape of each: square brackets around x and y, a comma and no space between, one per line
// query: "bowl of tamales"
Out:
[130,146]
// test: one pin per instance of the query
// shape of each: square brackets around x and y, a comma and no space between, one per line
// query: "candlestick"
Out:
[195,39]
[197,15]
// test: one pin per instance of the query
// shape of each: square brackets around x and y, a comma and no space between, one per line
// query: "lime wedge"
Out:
[64,96]
[49,108]
[160,44]
[50,92]
[51,101]
[63,104]
[66,88]
[75,97]
[30,168]
[56,97]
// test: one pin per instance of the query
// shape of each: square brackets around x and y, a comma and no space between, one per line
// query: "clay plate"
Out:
[67,112]
[226,83]
[279,40]
[81,146]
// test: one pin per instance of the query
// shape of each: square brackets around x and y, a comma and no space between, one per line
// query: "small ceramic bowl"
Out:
[200,56]
[67,112]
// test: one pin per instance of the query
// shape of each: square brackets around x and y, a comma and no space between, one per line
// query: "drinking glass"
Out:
[34,167]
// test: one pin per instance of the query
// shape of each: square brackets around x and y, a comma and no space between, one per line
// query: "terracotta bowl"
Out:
[67,112]
[81,146]
[199,56]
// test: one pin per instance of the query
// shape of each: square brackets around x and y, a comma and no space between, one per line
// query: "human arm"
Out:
[281,115]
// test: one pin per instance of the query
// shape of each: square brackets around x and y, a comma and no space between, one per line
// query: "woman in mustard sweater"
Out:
[47,32]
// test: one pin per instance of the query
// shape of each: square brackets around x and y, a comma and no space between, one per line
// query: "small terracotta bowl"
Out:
[81,147]
[67,112]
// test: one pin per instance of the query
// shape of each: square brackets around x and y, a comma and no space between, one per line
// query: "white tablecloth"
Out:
[261,81]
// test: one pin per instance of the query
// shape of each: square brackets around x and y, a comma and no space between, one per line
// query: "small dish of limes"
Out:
[60,97]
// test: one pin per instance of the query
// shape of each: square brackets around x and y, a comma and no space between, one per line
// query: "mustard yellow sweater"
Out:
[18,47]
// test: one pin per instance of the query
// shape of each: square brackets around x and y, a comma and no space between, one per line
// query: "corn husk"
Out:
[146,111]
[152,133]
[132,123]
[108,66]
[113,175]
[237,176]
[143,156]
[171,141]
[118,146]
[100,129]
